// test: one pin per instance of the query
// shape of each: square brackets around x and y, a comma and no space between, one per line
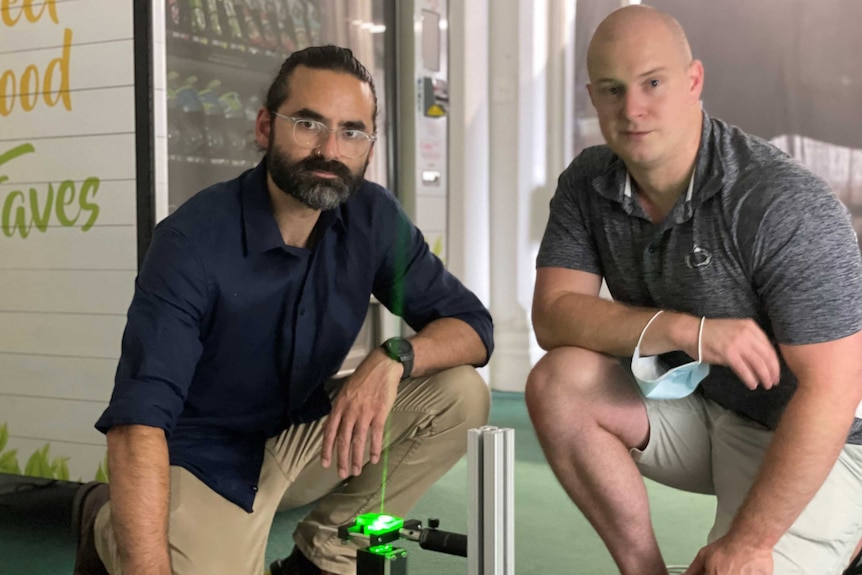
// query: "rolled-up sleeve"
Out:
[414,284]
[162,340]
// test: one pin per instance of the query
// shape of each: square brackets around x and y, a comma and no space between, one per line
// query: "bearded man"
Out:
[226,406]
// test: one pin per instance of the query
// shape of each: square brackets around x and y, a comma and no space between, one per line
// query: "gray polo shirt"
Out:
[760,237]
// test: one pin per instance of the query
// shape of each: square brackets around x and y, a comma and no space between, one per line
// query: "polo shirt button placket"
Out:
[652,263]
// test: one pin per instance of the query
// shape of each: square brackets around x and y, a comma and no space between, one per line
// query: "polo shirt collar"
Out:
[260,229]
[708,177]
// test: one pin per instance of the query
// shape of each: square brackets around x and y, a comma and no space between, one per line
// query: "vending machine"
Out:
[214,66]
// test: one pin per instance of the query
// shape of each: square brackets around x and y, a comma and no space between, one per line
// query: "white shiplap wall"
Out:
[64,290]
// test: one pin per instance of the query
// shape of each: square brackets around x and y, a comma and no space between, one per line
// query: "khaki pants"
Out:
[426,436]
[697,445]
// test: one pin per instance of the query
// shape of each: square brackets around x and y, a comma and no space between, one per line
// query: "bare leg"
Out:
[587,416]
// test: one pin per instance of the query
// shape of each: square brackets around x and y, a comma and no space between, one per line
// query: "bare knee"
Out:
[568,374]
[571,388]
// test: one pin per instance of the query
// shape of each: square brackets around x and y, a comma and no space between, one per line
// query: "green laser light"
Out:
[379,528]
[378,524]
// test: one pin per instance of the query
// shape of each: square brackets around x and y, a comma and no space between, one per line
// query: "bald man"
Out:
[746,270]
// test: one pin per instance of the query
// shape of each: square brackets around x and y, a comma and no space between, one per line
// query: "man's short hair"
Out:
[327,57]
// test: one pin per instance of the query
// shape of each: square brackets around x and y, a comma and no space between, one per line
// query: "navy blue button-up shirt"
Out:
[231,334]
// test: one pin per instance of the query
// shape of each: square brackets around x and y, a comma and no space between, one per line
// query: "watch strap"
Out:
[401,350]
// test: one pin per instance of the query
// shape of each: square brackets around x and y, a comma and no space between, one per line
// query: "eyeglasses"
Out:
[311,134]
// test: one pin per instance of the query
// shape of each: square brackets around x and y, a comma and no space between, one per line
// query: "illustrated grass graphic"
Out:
[8,459]
[40,463]
[102,473]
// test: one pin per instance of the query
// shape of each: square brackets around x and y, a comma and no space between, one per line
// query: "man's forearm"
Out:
[803,451]
[445,343]
[605,326]
[140,488]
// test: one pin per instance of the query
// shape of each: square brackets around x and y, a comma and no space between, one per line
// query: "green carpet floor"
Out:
[551,535]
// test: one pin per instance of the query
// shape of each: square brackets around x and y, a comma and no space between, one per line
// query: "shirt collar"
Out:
[708,177]
[627,189]
[260,229]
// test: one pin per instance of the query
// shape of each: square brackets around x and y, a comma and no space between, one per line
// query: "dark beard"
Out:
[296,179]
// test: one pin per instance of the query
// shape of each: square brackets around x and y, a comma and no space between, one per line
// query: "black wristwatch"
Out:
[401,350]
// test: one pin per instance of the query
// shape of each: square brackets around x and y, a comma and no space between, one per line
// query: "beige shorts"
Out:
[697,445]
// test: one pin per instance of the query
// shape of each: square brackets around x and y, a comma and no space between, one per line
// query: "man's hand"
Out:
[363,403]
[742,346]
[728,557]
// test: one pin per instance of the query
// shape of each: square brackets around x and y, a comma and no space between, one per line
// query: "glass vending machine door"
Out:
[220,58]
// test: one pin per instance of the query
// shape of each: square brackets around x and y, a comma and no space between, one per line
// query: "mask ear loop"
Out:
[641,338]
[700,339]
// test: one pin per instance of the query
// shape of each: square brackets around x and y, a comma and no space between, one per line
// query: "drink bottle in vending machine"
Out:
[212,14]
[253,33]
[314,25]
[236,127]
[279,10]
[190,119]
[198,17]
[258,8]
[177,16]
[213,121]
[232,20]
[296,9]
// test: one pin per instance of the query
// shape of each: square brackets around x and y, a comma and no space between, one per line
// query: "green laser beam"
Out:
[399,270]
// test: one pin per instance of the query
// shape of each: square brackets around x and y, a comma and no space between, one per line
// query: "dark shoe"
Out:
[295,564]
[89,498]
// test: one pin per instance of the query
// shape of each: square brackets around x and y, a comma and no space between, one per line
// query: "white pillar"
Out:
[561,89]
[469,218]
[516,116]
[511,134]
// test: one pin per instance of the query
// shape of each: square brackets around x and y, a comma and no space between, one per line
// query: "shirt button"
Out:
[254,488]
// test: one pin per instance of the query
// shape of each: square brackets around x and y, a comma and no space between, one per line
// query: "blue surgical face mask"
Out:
[657,382]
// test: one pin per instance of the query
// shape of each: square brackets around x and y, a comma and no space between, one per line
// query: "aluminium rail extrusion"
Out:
[491,516]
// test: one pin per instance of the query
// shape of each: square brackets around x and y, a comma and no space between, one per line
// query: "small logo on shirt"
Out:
[698,258]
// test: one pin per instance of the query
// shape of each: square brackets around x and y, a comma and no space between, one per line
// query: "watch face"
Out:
[399,346]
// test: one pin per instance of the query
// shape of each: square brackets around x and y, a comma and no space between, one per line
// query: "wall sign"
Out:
[67,227]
